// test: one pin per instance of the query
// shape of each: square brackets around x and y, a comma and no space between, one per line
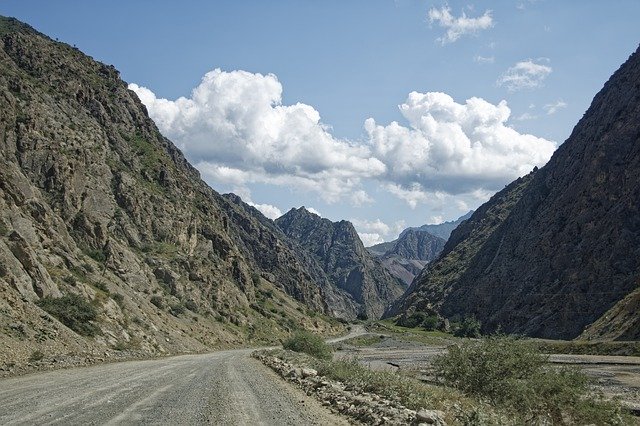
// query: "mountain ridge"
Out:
[568,250]
[349,266]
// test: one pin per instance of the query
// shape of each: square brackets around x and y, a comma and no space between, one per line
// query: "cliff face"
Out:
[95,202]
[569,250]
[350,268]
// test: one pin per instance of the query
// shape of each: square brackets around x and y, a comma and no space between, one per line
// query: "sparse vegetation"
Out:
[311,344]
[118,298]
[73,311]
[97,255]
[36,356]
[177,309]
[469,327]
[510,374]
[157,301]
[420,319]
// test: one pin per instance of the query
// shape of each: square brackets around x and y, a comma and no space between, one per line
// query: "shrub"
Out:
[311,344]
[512,374]
[469,327]
[118,298]
[36,356]
[419,319]
[157,301]
[73,311]
[177,309]
[97,255]
[191,305]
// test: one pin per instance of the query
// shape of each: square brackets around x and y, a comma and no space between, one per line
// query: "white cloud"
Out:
[458,26]
[526,116]
[272,212]
[554,107]
[435,220]
[234,127]
[484,59]
[314,211]
[369,239]
[452,148]
[236,131]
[526,74]
[376,226]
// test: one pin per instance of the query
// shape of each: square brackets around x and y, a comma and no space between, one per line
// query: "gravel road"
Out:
[224,388]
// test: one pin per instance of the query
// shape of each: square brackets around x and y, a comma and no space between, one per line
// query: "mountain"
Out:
[408,255]
[349,266]
[442,230]
[564,253]
[108,236]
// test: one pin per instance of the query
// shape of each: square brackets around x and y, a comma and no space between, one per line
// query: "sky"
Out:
[386,113]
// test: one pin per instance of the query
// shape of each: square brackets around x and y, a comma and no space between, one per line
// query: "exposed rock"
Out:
[95,201]
[351,269]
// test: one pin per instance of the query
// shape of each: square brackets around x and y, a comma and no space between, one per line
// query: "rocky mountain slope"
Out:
[109,239]
[409,254]
[566,255]
[348,265]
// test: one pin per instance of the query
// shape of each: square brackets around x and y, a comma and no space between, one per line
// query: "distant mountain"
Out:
[442,230]
[108,236]
[406,256]
[555,254]
[349,266]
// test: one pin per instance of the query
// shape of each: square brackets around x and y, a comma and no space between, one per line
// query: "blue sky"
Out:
[282,121]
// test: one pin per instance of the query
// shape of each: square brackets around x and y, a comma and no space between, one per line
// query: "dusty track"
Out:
[226,387]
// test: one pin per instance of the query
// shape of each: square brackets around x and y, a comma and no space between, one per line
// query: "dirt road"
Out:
[226,387]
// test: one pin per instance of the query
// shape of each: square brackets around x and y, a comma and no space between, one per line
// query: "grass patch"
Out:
[308,343]
[512,375]
[73,311]
[363,341]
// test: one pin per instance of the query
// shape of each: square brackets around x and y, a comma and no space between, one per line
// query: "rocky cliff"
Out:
[348,265]
[99,211]
[567,254]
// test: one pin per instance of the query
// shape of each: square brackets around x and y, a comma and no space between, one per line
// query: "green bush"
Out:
[73,311]
[419,319]
[469,327]
[97,255]
[311,344]
[177,309]
[157,301]
[118,298]
[512,374]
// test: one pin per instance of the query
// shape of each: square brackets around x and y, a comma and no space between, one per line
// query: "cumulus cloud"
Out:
[272,212]
[235,128]
[554,107]
[376,231]
[236,131]
[314,211]
[452,148]
[458,26]
[376,226]
[527,74]
[370,239]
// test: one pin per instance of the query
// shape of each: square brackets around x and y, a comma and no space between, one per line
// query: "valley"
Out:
[133,292]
